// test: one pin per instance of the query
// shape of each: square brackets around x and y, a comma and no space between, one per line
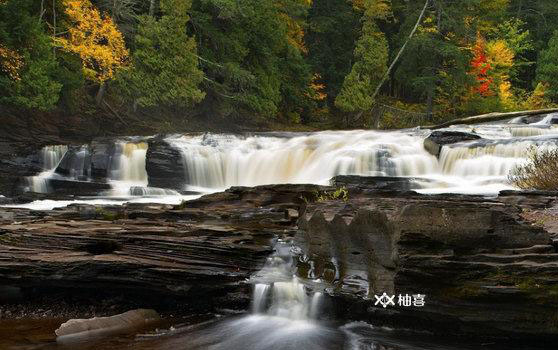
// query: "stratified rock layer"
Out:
[487,266]
[207,246]
[482,266]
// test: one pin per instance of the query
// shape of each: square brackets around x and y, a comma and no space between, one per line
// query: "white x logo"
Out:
[385,300]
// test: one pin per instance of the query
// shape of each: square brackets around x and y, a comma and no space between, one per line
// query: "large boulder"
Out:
[164,165]
[437,139]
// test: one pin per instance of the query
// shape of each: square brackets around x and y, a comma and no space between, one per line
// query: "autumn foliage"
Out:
[95,39]
[480,68]
[10,62]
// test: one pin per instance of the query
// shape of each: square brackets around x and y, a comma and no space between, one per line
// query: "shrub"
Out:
[539,173]
[338,194]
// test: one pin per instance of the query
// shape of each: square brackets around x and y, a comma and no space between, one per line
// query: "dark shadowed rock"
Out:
[483,267]
[101,157]
[14,166]
[76,163]
[77,188]
[164,165]
[374,183]
[437,139]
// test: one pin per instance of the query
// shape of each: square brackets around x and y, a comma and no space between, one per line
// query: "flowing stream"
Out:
[214,162]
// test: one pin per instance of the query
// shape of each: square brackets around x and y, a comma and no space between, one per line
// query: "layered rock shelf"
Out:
[209,246]
[485,265]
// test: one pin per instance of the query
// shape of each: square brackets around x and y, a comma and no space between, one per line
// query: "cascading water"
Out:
[284,314]
[128,163]
[277,292]
[221,161]
[49,157]
[214,162]
[128,175]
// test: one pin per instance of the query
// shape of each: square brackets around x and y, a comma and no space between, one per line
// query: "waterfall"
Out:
[533,131]
[490,159]
[214,162]
[278,292]
[128,175]
[49,157]
[128,163]
[221,161]
[284,314]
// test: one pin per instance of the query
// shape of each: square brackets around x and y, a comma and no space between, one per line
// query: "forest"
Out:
[292,62]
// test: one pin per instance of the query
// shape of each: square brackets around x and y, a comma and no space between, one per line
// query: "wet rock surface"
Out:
[437,139]
[202,250]
[487,266]
[164,165]
[484,265]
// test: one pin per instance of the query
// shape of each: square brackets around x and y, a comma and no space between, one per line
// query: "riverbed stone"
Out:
[480,264]
[437,139]
[164,165]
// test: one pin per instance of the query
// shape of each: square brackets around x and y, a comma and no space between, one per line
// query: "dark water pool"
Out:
[251,332]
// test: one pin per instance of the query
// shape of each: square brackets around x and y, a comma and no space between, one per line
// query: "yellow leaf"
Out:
[96,40]
[11,62]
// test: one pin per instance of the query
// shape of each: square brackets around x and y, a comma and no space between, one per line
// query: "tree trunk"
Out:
[100,94]
[490,117]
[430,104]
[152,5]
[54,25]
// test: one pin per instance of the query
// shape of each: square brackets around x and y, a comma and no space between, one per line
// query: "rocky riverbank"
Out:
[486,266]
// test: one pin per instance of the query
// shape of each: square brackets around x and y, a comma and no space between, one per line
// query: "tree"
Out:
[333,29]
[250,57]
[11,63]
[96,40]
[371,59]
[165,64]
[27,66]
[547,68]
[124,13]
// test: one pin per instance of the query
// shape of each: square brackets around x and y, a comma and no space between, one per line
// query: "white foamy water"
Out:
[214,162]
[278,293]
[50,157]
[284,314]
[221,161]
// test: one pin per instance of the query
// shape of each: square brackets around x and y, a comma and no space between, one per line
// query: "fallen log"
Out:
[489,117]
